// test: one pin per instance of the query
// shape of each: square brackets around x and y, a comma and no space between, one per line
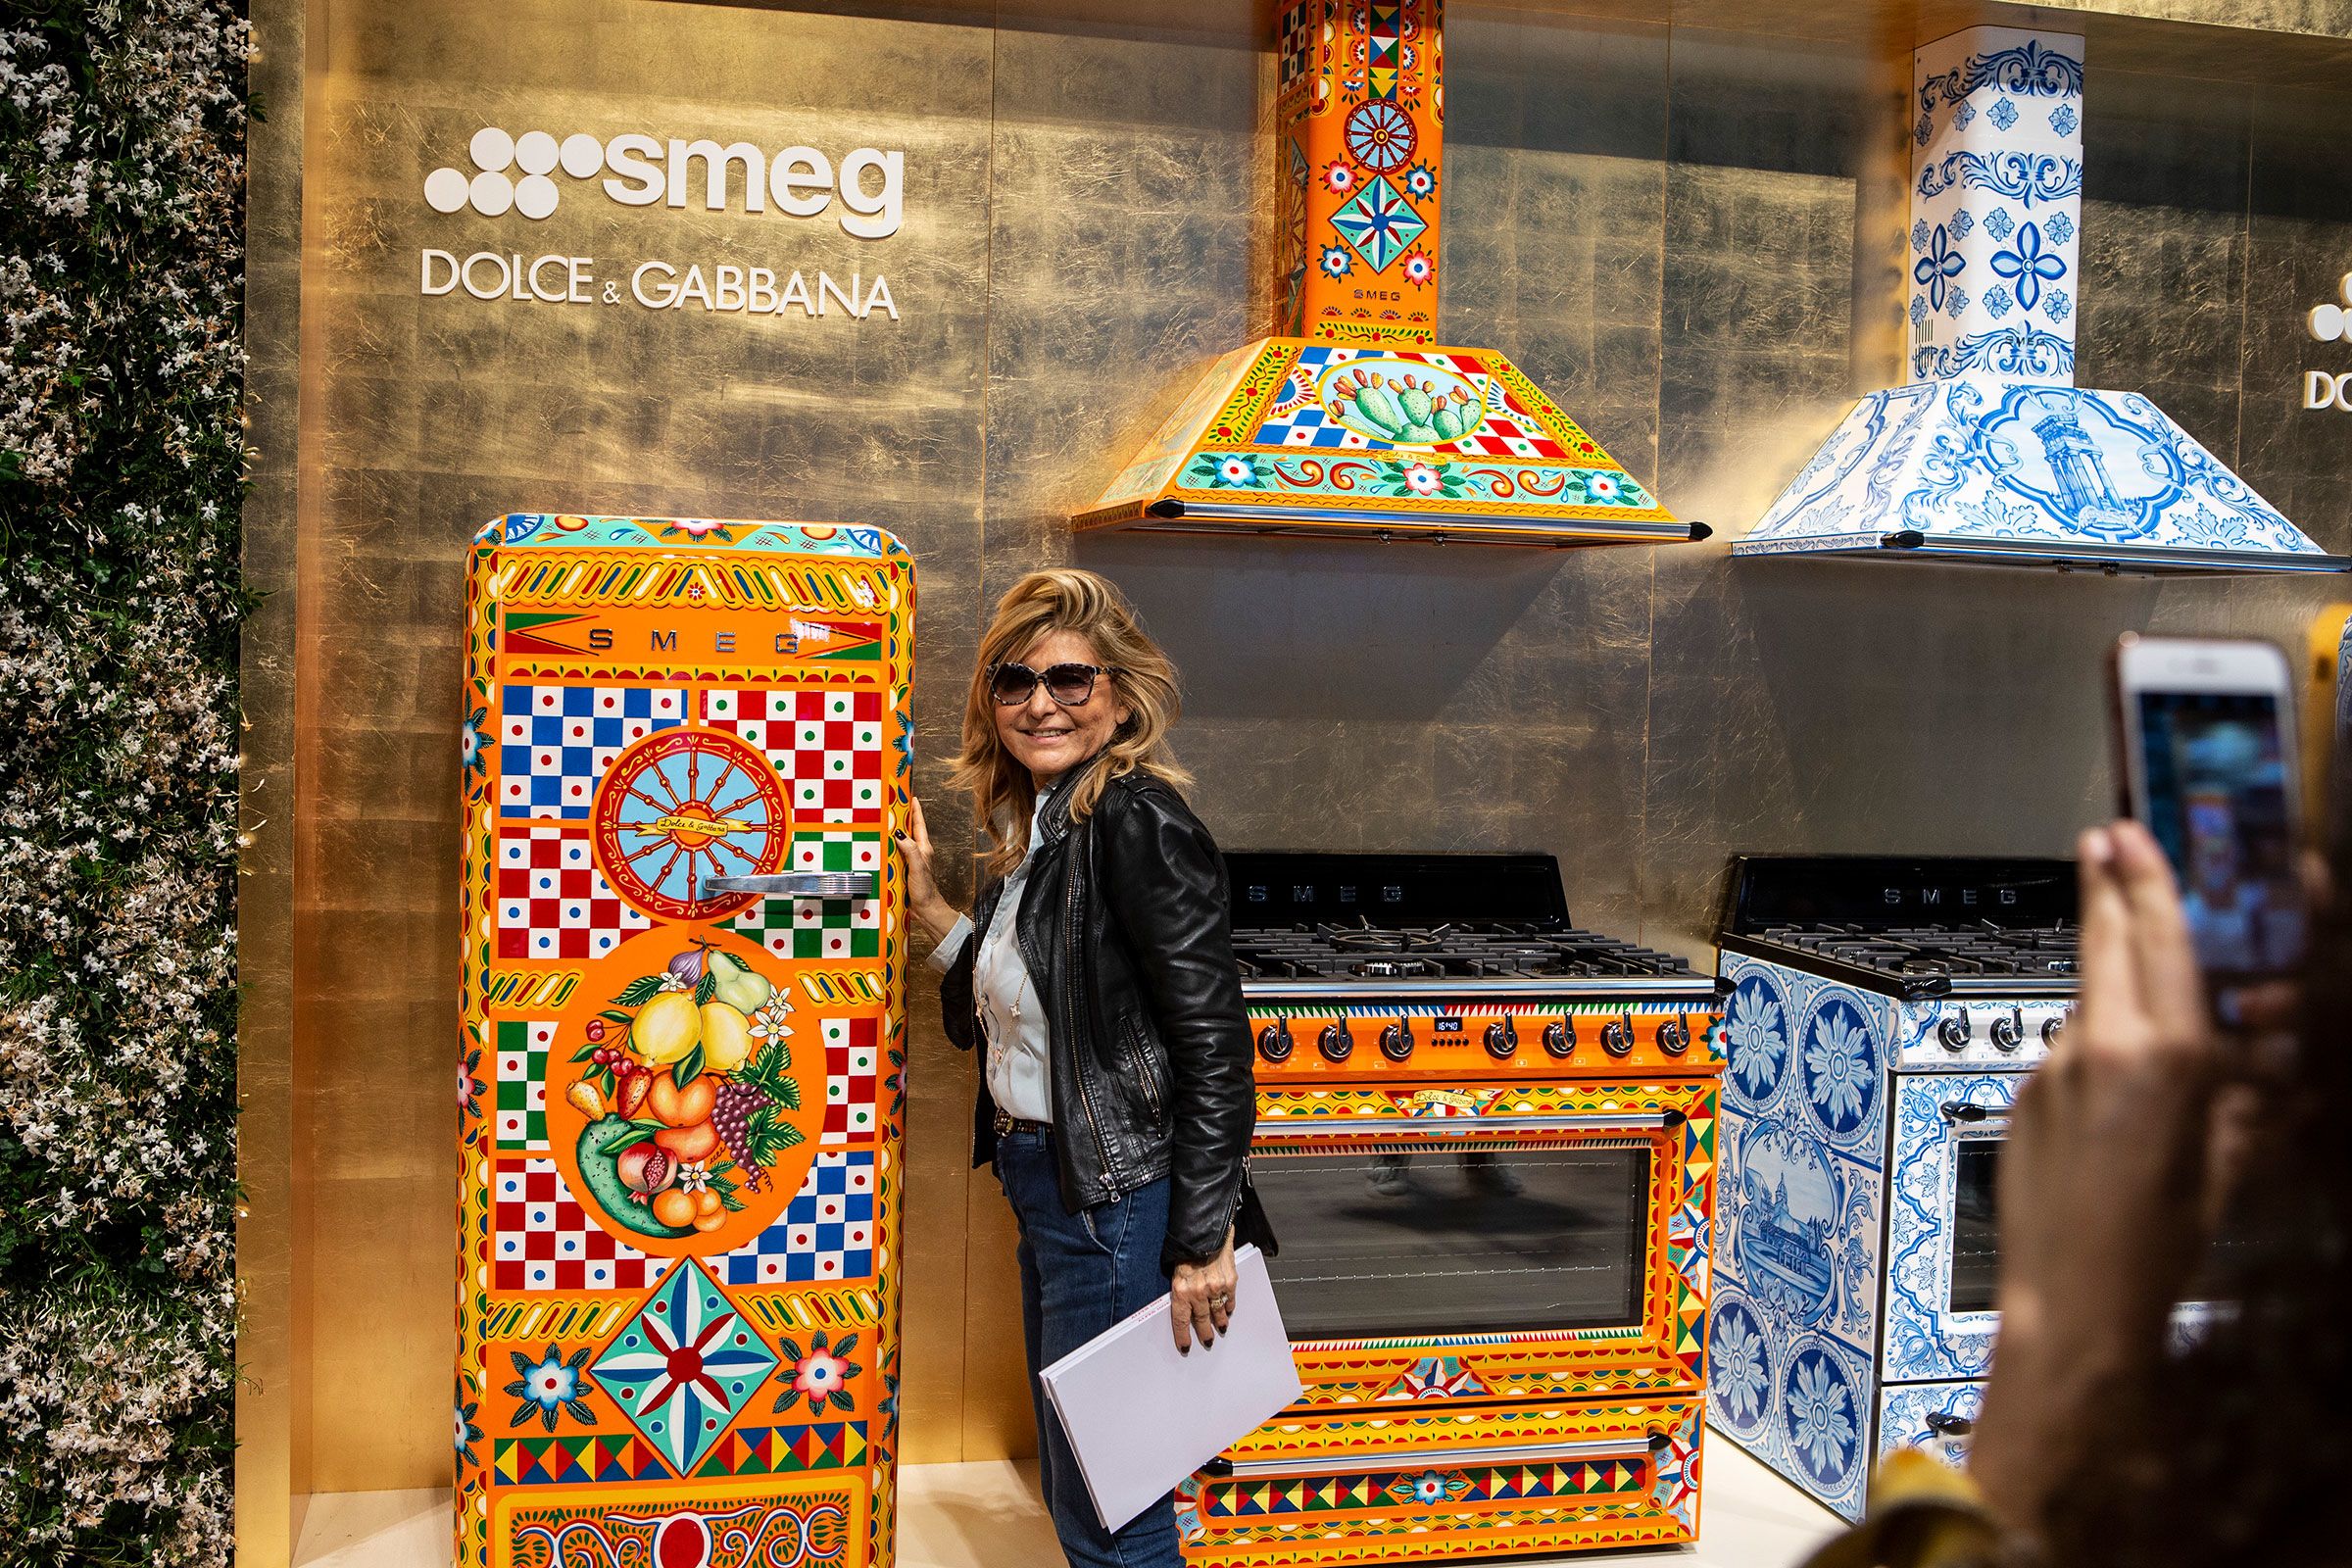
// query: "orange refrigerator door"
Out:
[682,1046]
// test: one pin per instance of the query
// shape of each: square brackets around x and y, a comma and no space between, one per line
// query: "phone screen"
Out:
[2217,801]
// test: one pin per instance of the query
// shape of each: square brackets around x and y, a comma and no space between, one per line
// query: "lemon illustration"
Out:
[726,1037]
[666,1027]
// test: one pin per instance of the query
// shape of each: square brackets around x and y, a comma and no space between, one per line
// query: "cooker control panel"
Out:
[1979,1034]
[1473,1041]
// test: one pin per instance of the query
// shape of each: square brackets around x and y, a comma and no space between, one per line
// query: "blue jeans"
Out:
[1081,1273]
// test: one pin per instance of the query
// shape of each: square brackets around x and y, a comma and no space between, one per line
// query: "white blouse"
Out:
[1013,1019]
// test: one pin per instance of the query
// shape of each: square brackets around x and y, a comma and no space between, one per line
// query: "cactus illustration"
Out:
[1404,411]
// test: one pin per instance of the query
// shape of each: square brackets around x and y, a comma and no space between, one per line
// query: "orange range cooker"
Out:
[1486,1139]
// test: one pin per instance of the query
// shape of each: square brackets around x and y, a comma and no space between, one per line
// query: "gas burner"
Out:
[1460,950]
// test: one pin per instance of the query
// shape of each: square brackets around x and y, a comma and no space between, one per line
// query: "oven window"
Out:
[1976,1239]
[1414,1241]
[1976,1227]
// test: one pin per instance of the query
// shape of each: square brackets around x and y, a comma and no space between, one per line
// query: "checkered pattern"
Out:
[823,928]
[827,1232]
[545,1241]
[556,741]
[1501,436]
[522,1084]
[826,744]
[851,1054]
[553,902]
[1297,42]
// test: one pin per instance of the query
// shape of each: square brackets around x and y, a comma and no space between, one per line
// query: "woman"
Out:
[2100,1442]
[1096,967]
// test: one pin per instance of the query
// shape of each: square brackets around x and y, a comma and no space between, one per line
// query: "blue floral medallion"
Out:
[1755,1031]
[1823,1418]
[1839,1066]
[1740,1371]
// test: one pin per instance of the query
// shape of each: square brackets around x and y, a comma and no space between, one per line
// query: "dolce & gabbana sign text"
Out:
[863,191]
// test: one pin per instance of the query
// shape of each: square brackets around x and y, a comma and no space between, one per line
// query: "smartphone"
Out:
[2208,760]
[2328,728]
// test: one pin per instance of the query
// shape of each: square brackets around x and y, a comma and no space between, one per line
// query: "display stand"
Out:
[682,1047]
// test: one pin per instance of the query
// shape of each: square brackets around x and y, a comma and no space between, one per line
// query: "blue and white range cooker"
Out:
[1882,1015]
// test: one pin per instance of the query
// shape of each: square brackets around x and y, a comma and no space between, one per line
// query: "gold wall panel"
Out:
[1685,232]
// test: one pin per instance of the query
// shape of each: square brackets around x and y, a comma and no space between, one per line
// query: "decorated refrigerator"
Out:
[682,1046]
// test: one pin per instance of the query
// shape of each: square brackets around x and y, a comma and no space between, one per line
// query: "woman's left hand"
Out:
[1200,1297]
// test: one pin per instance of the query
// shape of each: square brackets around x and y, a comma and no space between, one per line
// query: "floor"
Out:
[986,1515]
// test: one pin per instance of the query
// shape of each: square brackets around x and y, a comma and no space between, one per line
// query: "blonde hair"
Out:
[1088,605]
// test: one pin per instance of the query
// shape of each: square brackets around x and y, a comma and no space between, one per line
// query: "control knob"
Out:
[1335,1041]
[1396,1039]
[1559,1037]
[1502,1038]
[1674,1036]
[1953,1031]
[1617,1037]
[1274,1041]
[2008,1033]
[2050,1027]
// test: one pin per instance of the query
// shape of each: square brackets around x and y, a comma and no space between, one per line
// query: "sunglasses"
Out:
[1070,685]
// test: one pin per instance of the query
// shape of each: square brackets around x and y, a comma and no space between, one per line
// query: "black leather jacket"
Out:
[1124,929]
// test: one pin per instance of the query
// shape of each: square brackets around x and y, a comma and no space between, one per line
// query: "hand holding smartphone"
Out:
[2206,754]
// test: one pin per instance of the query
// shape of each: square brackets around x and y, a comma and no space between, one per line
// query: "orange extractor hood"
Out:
[1353,420]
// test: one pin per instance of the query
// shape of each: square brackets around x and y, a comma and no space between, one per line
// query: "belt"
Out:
[1007,1124]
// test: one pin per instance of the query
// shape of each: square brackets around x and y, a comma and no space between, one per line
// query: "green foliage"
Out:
[122,157]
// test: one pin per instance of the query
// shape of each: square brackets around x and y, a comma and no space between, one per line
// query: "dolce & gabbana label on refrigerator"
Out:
[2331,323]
[863,191]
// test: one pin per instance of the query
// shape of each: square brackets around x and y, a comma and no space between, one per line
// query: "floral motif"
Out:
[2057,305]
[1964,116]
[1754,1032]
[2003,114]
[1335,261]
[549,1384]
[1420,181]
[1919,235]
[1821,1424]
[1430,1486]
[1424,481]
[1228,471]
[1999,224]
[1837,1063]
[2058,229]
[2064,120]
[467,1434]
[1919,309]
[821,1376]
[1964,223]
[469,1084]
[1938,266]
[703,528]
[1737,1366]
[1337,178]
[2029,265]
[472,750]
[1996,301]
[1956,304]
[1418,268]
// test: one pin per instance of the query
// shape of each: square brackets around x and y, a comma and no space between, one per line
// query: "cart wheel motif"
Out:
[1381,137]
[681,807]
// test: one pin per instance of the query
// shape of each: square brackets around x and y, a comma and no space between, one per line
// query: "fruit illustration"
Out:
[726,1035]
[685,1105]
[695,1141]
[666,1027]
[738,984]
[745,1113]
[674,1106]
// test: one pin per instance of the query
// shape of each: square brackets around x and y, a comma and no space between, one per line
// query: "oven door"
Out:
[1545,1242]
[1944,1252]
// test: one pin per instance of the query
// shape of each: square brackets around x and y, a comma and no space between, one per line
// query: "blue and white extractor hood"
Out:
[1992,454]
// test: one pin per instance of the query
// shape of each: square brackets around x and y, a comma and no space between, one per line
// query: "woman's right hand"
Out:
[923,900]
[2102,1180]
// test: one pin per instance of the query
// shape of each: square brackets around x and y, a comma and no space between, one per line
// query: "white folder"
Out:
[1141,1416]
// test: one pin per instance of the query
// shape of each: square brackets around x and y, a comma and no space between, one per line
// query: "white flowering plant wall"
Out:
[122,186]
